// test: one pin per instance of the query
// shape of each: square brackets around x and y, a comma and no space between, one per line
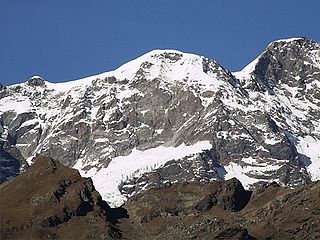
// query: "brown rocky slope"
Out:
[224,210]
[51,201]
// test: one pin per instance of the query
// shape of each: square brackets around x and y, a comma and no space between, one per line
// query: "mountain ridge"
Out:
[165,99]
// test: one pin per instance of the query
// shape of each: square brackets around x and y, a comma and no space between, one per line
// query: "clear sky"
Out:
[69,39]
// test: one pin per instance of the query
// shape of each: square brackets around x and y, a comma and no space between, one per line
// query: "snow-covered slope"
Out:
[286,79]
[174,116]
[107,180]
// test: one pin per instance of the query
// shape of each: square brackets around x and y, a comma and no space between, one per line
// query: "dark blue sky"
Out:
[69,39]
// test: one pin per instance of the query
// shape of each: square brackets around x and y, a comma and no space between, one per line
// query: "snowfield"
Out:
[107,180]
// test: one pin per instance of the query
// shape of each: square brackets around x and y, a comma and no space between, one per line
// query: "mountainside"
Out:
[52,201]
[224,210]
[169,116]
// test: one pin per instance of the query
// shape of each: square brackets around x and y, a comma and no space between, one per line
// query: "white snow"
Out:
[126,93]
[15,104]
[159,131]
[310,147]
[271,141]
[101,140]
[287,40]
[244,73]
[234,170]
[129,70]
[239,172]
[29,122]
[35,77]
[67,86]
[107,180]
[249,160]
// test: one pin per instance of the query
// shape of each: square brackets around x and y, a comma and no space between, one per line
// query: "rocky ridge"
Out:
[224,210]
[51,201]
[193,119]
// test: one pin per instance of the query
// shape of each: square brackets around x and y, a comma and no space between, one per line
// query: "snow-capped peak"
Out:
[169,64]
[289,39]
[36,81]
[273,50]
[159,62]
[36,77]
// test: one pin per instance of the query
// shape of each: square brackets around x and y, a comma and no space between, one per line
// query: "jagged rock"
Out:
[194,168]
[10,167]
[49,201]
[193,211]
[36,81]
[2,90]
[185,198]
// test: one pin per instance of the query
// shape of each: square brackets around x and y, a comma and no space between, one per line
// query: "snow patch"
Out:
[35,77]
[18,106]
[108,180]
[235,170]
[287,40]
[310,148]
[245,72]
[159,131]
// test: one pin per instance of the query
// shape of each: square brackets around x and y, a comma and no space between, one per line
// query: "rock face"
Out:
[193,168]
[186,198]
[51,201]
[224,210]
[259,125]
[36,81]
[10,167]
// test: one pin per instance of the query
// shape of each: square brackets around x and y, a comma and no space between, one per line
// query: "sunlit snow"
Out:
[108,180]
[309,147]
[17,105]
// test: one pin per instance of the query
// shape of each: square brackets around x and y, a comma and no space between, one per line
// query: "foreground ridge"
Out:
[51,201]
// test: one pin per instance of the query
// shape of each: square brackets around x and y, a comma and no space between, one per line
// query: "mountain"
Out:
[52,201]
[287,74]
[170,117]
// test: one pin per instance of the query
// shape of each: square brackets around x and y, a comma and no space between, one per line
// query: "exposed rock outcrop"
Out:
[222,210]
[51,201]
